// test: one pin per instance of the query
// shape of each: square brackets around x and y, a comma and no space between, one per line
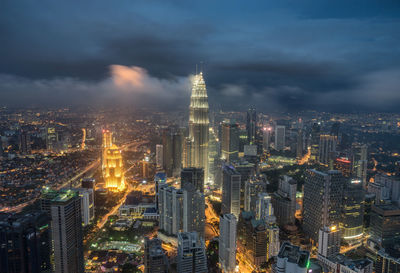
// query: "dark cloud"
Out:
[277,55]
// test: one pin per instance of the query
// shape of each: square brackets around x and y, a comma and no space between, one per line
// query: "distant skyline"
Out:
[282,55]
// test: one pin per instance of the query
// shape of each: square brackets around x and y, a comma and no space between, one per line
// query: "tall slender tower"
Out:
[199,125]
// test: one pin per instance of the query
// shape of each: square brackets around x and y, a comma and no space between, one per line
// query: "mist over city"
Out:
[199,136]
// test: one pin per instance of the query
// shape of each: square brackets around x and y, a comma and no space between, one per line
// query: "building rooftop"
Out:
[294,254]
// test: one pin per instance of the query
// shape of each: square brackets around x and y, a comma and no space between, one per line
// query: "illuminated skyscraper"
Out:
[251,125]
[327,145]
[230,141]
[199,125]
[112,169]
[227,242]
[280,137]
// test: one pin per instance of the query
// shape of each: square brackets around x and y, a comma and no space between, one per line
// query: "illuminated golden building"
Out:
[112,165]
[113,169]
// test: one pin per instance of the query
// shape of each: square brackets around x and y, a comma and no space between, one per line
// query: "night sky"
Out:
[275,55]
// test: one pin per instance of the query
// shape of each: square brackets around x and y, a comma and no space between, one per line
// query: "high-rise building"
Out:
[252,238]
[177,144]
[322,202]
[385,225]
[264,209]
[284,201]
[113,172]
[388,261]
[191,253]
[247,171]
[145,167]
[159,155]
[168,158]
[193,210]
[231,186]
[171,205]
[386,189]
[25,243]
[299,144]
[193,176]
[155,260]
[329,241]
[291,259]
[88,183]
[327,145]
[360,162]
[51,138]
[251,125]
[314,142]
[266,138]
[252,188]
[344,165]
[199,125]
[64,208]
[280,136]
[230,142]
[265,212]
[227,242]
[87,205]
[24,143]
[353,211]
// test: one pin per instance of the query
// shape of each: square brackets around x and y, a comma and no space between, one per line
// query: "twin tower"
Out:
[196,144]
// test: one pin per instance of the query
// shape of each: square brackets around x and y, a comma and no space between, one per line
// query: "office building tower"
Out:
[369,201]
[252,239]
[291,259]
[213,158]
[247,171]
[266,138]
[329,241]
[388,261]
[242,139]
[51,138]
[155,260]
[386,189]
[177,144]
[199,125]
[335,129]
[159,155]
[231,186]
[193,176]
[360,162]
[145,167]
[344,165]
[280,136]
[191,253]
[284,201]
[251,126]
[252,188]
[168,158]
[314,142]
[264,209]
[193,210]
[230,142]
[171,204]
[265,212]
[64,208]
[385,225]
[299,144]
[24,143]
[113,172]
[353,211]
[160,179]
[322,202]
[25,243]
[227,242]
[327,145]
[88,183]
[87,205]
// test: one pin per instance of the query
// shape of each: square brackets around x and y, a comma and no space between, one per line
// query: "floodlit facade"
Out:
[113,172]
[198,126]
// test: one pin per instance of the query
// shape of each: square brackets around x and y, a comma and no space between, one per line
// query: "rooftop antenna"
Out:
[201,66]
